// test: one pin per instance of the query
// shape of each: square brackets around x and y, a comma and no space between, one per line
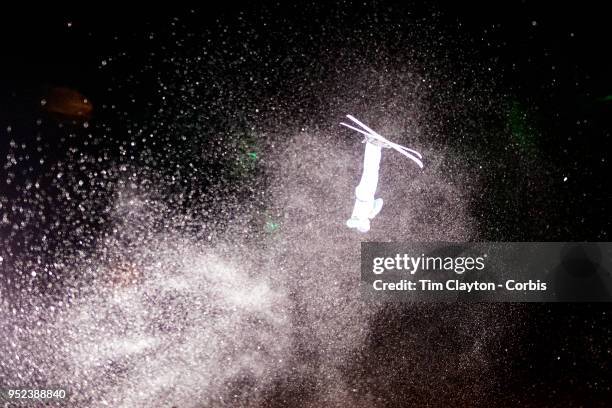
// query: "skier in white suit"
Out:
[366,205]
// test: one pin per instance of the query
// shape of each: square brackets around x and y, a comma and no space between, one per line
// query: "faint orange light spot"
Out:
[67,103]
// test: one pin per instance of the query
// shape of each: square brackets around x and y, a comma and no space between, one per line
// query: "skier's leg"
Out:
[364,193]
[369,179]
[378,203]
[361,224]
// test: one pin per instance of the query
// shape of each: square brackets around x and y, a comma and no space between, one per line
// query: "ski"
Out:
[368,132]
[372,132]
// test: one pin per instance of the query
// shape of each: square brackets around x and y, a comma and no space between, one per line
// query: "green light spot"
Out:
[522,132]
[607,98]
[246,159]
[271,226]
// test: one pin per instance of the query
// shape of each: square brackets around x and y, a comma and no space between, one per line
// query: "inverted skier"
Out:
[366,206]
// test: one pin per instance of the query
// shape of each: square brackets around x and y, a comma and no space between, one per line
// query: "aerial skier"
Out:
[366,206]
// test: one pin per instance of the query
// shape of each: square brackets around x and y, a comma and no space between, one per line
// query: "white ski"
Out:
[410,153]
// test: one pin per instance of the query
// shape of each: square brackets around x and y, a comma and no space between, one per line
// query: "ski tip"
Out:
[418,162]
